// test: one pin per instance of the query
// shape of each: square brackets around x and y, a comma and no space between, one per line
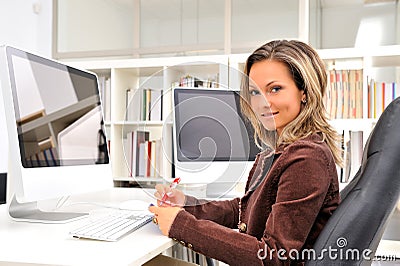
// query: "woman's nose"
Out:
[266,99]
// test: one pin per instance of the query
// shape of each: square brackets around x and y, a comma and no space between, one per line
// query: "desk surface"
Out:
[24,242]
[36,243]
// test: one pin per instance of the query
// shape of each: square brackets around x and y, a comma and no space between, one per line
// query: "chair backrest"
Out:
[355,229]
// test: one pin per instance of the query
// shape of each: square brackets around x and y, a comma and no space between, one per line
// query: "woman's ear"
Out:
[304,98]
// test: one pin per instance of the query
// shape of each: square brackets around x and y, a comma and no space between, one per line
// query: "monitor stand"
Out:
[29,212]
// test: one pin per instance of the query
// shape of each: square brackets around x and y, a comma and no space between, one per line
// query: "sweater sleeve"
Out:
[214,240]
[224,212]
[302,187]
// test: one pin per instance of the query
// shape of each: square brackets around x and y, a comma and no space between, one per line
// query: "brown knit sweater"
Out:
[279,218]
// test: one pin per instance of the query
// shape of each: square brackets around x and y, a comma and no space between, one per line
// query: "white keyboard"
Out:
[113,226]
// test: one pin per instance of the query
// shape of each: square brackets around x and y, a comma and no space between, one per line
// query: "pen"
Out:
[171,186]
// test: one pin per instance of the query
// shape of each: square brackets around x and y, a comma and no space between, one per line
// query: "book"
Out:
[388,96]
[156,105]
[371,98]
[353,94]
[132,146]
[346,94]
[344,97]
[332,82]
[40,159]
[147,103]
[359,93]
[195,82]
[380,95]
[133,105]
[49,157]
[352,145]
[347,157]
[147,158]
[356,143]
[139,154]
[144,104]
[54,156]
[141,168]
[396,90]
[340,94]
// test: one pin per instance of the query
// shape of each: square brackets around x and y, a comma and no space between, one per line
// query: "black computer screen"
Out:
[210,127]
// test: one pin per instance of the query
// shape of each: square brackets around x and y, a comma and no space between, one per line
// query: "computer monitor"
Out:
[46,102]
[213,143]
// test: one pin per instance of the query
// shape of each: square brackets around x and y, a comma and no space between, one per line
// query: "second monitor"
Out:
[213,143]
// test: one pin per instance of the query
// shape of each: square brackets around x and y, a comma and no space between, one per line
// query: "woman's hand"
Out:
[164,217]
[175,196]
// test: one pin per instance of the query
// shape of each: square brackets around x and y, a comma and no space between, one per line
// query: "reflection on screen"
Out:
[58,112]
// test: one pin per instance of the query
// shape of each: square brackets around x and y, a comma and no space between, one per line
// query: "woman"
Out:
[284,214]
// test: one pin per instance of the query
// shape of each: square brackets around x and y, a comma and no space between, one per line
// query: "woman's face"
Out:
[274,96]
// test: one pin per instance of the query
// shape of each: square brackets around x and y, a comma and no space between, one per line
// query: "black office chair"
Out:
[368,200]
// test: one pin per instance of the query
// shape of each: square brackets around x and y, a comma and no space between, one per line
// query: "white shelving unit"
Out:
[375,63]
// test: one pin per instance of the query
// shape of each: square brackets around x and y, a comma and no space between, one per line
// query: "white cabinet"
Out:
[140,28]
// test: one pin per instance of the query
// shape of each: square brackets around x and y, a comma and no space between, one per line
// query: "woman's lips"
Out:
[268,115]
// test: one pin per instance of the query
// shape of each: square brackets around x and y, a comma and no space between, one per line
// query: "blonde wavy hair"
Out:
[309,74]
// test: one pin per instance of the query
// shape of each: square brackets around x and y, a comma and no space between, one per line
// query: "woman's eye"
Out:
[275,89]
[254,92]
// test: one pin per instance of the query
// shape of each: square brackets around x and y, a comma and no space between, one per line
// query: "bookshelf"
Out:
[380,63]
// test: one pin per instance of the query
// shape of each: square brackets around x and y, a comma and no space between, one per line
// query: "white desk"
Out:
[34,243]
[22,242]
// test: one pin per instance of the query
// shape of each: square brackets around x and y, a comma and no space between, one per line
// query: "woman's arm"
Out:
[214,240]
[224,212]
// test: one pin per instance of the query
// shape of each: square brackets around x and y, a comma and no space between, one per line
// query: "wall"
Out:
[358,25]
[26,28]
